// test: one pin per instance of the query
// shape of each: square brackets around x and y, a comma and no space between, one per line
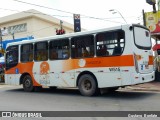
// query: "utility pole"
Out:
[13,35]
[144,18]
[154,8]
[61,30]
[0,39]
[61,22]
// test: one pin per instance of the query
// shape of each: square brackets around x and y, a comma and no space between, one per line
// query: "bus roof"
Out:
[55,37]
[6,42]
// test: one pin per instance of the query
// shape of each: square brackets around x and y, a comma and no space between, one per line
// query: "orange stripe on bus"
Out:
[71,64]
[115,61]
[23,68]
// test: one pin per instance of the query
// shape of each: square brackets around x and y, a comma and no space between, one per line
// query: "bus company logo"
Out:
[82,62]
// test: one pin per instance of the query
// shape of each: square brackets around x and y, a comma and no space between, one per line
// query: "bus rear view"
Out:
[143,56]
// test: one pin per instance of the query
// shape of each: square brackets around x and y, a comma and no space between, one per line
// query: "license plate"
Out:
[146,66]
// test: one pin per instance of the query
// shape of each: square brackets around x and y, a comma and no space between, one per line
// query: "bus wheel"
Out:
[87,85]
[28,84]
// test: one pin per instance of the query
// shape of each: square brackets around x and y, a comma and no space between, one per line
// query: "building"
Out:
[31,23]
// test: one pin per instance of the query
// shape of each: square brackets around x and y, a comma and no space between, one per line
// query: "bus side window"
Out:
[26,52]
[12,56]
[41,51]
[110,43]
[82,46]
[102,51]
[117,50]
[65,52]
[85,52]
[53,54]
[59,49]
[31,57]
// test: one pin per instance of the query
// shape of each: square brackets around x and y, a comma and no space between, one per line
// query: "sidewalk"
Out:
[151,86]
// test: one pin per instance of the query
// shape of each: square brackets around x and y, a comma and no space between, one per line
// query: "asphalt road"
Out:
[13,98]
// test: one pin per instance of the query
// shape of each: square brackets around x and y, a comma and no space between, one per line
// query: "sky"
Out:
[95,14]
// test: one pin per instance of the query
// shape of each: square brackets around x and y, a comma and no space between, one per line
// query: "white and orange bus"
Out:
[106,58]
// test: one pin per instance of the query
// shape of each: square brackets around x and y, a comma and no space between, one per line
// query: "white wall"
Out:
[35,26]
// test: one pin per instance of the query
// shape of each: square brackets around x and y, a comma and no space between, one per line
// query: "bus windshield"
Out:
[142,38]
[11,56]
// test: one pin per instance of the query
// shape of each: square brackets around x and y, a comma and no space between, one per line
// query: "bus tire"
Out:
[87,85]
[28,84]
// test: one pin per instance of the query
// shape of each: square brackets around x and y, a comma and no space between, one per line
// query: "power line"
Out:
[43,6]
[33,12]
[104,19]
[40,13]
[65,11]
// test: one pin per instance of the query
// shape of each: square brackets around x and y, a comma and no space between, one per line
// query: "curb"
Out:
[2,83]
[143,89]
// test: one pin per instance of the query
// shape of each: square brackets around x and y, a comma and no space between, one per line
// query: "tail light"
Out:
[136,58]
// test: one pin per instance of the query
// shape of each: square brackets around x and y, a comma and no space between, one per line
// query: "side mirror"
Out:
[158,51]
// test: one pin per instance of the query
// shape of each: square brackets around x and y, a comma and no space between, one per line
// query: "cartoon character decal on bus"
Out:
[44,68]
[44,73]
